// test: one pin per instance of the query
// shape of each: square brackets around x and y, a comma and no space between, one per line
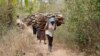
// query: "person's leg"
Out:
[34,30]
[44,37]
[40,40]
[45,41]
[50,40]
[38,37]
[38,34]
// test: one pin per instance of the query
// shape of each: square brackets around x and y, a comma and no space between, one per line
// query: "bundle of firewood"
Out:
[60,20]
[41,19]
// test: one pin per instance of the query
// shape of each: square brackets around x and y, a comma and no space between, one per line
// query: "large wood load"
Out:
[40,19]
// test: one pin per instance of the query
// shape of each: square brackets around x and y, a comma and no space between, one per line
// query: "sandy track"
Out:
[42,49]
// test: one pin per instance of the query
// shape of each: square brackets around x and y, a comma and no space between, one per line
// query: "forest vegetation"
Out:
[81,29]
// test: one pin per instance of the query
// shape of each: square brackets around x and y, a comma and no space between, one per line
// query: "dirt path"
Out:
[42,50]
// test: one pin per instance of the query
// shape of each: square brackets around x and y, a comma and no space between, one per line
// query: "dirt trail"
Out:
[42,50]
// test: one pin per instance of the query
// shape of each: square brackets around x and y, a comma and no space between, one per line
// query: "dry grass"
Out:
[16,43]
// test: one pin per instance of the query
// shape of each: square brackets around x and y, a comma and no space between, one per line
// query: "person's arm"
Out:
[46,26]
[55,26]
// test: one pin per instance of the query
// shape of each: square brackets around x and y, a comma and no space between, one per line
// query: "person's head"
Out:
[53,16]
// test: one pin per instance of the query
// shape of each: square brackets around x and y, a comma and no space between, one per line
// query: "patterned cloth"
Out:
[41,35]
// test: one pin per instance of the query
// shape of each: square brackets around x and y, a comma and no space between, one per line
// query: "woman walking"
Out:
[50,27]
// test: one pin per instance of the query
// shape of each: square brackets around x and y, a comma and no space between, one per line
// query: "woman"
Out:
[50,27]
[41,28]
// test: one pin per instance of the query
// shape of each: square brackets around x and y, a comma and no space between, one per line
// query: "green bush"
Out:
[84,22]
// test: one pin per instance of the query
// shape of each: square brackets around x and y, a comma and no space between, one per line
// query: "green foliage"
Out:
[28,6]
[84,22]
